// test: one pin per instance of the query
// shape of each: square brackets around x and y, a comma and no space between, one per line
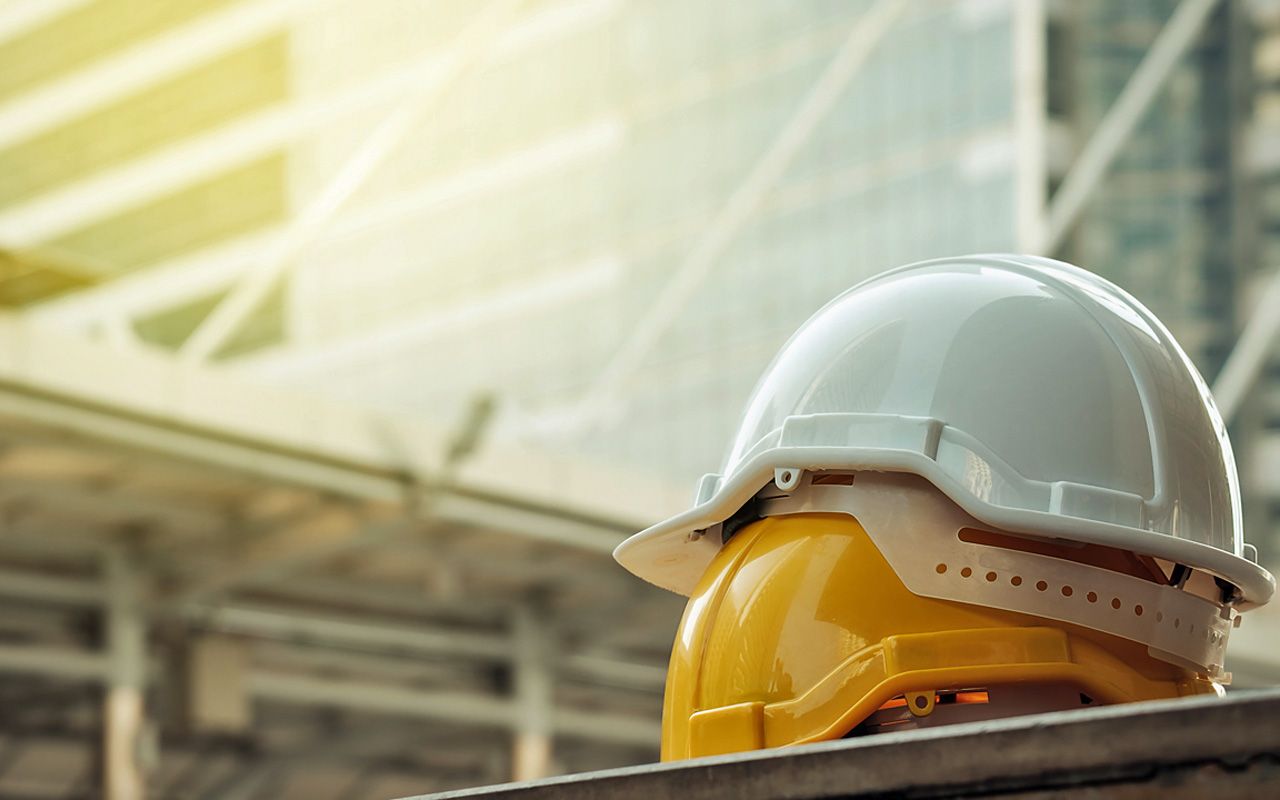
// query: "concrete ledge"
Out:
[1179,748]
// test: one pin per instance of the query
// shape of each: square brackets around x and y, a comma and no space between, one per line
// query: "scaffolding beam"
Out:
[279,622]
[131,402]
[453,706]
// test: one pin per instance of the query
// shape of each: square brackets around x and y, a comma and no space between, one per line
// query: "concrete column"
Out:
[533,685]
[124,715]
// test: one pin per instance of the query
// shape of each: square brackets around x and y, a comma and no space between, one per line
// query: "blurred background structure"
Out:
[343,340]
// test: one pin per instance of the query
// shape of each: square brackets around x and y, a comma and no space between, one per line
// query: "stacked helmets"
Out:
[966,488]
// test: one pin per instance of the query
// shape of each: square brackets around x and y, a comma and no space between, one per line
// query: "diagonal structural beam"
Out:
[1177,36]
[574,284]
[17,17]
[471,47]
[199,274]
[1251,351]
[862,40]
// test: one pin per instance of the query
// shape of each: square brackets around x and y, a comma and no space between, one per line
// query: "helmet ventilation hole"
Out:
[1069,590]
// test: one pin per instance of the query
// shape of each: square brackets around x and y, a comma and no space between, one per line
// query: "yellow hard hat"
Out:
[802,630]
[968,488]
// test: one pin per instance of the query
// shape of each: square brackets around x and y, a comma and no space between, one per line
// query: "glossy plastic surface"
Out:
[1056,372]
[800,629]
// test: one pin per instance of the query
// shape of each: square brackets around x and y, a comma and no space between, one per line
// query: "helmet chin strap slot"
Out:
[741,518]
[1230,593]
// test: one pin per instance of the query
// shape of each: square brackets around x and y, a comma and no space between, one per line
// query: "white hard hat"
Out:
[1038,397]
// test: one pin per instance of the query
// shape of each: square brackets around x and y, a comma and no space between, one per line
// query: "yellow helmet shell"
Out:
[800,629]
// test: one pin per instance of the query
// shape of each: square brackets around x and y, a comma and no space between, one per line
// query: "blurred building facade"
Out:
[520,239]
[605,215]
[1258,218]
[578,216]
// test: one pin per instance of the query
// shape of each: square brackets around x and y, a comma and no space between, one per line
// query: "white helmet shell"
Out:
[1039,397]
